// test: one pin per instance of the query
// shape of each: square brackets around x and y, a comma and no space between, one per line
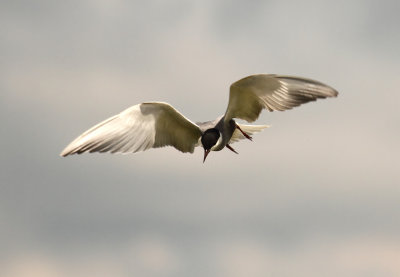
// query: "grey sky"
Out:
[315,194]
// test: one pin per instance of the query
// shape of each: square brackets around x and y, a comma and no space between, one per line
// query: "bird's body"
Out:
[225,129]
[157,124]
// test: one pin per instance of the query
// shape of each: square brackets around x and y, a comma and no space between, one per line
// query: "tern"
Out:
[158,124]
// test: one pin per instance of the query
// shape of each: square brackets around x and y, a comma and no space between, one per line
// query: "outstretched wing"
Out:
[250,95]
[138,128]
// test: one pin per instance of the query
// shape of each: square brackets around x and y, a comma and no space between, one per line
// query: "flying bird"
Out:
[158,124]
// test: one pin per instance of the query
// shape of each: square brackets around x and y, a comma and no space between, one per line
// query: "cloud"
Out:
[327,169]
[374,256]
[236,256]
[144,256]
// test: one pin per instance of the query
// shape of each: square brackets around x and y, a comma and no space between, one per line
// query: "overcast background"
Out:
[317,194]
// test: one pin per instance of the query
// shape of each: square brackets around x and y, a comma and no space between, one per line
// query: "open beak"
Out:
[206,154]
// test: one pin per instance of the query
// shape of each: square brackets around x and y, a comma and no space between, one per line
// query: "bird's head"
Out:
[209,138]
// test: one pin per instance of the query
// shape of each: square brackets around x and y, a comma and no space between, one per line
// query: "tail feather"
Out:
[248,129]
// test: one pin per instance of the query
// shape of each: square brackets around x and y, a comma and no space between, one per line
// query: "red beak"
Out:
[206,154]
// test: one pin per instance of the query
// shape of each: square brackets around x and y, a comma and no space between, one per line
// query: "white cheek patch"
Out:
[219,142]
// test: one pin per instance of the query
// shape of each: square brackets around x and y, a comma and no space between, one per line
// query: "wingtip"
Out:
[67,151]
[335,93]
[63,153]
[332,92]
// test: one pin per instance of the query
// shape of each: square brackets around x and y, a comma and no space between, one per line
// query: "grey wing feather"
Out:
[250,95]
[138,128]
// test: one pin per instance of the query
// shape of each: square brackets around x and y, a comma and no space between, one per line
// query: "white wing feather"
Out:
[248,129]
[138,128]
